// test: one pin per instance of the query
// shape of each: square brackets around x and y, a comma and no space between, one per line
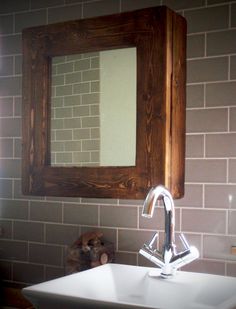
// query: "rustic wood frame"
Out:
[159,35]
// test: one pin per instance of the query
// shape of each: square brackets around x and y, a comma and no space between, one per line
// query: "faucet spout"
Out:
[169,260]
[148,210]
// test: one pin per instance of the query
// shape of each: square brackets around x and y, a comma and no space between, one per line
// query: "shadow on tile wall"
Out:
[36,231]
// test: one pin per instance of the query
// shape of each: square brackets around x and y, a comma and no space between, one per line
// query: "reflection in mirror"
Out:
[93,114]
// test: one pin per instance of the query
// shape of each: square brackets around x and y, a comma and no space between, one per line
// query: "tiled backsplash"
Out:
[35,231]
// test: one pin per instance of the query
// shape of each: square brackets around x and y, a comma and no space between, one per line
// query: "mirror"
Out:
[93,109]
[158,35]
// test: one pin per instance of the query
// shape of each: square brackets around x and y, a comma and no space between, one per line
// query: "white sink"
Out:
[123,286]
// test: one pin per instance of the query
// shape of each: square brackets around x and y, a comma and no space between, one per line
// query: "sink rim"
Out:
[39,290]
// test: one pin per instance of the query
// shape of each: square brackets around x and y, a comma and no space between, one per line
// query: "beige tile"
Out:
[30,19]
[6,188]
[232,119]
[221,145]
[204,221]
[13,250]
[45,254]
[210,120]
[220,196]
[57,102]
[126,258]
[6,24]
[208,69]
[194,146]
[81,88]
[74,57]
[81,214]
[6,107]
[10,127]
[193,196]
[183,4]
[6,229]
[17,106]
[6,270]
[45,3]
[58,80]
[11,45]
[13,6]
[65,112]
[6,66]
[95,86]
[28,273]
[10,168]
[95,63]
[61,234]
[72,123]
[72,78]
[218,247]
[103,7]
[90,145]
[232,220]
[95,133]
[64,158]
[18,65]
[72,146]
[57,123]
[90,75]
[198,20]
[79,111]
[64,13]
[206,267]
[64,135]
[31,231]
[93,98]
[63,68]
[202,170]
[46,211]
[233,66]
[231,269]
[6,147]
[65,90]
[95,156]
[79,134]
[53,272]
[90,122]
[232,170]
[133,240]
[10,86]
[99,201]
[128,5]
[81,157]
[233,15]
[119,216]
[222,42]
[216,1]
[195,45]
[82,65]
[221,94]
[72,100]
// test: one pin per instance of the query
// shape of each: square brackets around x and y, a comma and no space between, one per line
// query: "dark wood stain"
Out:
[160,38]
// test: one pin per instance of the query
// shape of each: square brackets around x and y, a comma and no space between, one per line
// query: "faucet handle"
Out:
[184,241]
[154,238]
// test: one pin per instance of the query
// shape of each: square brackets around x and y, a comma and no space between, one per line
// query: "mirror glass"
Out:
[93,109]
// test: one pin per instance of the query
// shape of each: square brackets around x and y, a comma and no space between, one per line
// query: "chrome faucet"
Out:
[169,260]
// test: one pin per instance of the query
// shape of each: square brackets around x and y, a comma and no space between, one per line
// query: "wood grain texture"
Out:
[159,36]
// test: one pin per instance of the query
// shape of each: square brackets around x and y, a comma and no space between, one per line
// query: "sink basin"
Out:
[124,286]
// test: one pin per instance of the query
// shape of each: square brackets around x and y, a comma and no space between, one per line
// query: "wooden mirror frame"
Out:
[159,35]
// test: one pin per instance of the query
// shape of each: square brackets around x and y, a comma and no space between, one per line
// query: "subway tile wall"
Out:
[36,231]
